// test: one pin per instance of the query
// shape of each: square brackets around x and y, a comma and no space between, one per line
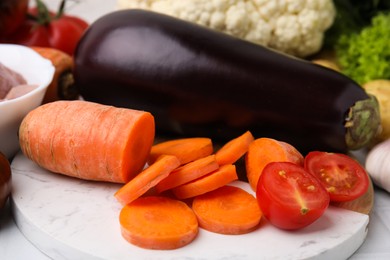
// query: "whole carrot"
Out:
[62,86]
[88,140]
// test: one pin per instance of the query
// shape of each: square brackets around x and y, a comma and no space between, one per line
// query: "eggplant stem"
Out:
[362,123]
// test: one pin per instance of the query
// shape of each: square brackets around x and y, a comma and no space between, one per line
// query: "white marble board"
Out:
[67,218]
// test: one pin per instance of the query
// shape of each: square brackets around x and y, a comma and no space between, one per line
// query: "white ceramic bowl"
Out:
[36,70]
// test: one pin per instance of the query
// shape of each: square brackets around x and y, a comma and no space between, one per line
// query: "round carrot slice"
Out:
[147,179]
[188,172]
[224,175]
[265,150]
[156,222]
[227,210]
[185,149]
[234,149]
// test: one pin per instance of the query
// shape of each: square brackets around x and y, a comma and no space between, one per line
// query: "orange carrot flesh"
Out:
[156,222]
[265,150]
[88,140]
[147,179]
[185,149]
[224,175]
[227,210]
[234,149]
[188,172]
[63,64]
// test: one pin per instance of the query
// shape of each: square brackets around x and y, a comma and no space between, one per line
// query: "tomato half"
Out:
[290,197]
[343,177]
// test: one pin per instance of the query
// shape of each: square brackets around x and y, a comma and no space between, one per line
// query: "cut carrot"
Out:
[265,150]
[147,179]
[185,149]
[227,210]
[224,175]
[234,149]
[62,86]
[88,140]
[188,172]
[158,223]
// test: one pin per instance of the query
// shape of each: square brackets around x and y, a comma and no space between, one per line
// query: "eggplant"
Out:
[199,82]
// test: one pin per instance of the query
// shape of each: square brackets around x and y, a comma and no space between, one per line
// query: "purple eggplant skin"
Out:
[199,82]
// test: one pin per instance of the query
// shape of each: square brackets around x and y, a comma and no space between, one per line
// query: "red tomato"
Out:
[12,15]
[342,176]
[290,197]
[62,32]
[5,180]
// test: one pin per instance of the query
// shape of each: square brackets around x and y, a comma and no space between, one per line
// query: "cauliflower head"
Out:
[295,27]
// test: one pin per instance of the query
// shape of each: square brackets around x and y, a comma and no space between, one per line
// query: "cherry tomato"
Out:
[290,197]
[342,176]
[12,15]
[49,30]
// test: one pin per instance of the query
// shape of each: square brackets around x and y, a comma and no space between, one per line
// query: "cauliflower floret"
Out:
[294,27]
[284,34]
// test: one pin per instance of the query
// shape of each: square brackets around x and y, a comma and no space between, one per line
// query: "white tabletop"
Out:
[14,246]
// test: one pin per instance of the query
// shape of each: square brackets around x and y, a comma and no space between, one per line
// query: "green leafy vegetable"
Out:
[360,36]
[365,55]
[352,16]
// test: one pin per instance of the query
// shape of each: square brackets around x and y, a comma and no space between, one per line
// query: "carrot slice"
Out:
[227,210]
[188,172]
[185,149]
[265,150]
[88,140]
[224,175]
[147,179]
[158,223]
[234,149]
